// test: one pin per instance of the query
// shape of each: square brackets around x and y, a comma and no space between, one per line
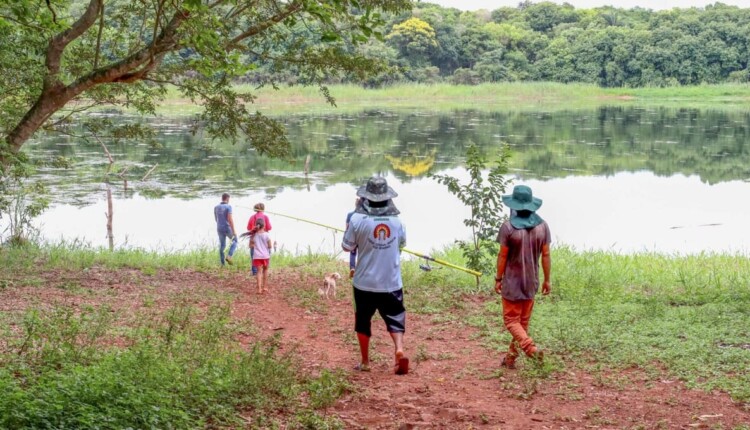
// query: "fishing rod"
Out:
[418,254]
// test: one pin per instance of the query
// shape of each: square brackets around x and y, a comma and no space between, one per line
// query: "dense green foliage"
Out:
[76,54]
[61,58]
[545,41]
[181,370]
[65,57]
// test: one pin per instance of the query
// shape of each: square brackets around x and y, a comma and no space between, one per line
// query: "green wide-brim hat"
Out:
[522,199]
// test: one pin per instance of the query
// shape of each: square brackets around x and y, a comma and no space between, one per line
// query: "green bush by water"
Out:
[77,256]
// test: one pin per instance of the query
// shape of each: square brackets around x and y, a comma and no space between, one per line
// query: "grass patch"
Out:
[440,290]
[310,269]
[73,256]
[689,315]
[177,366]
[506,95]
[181,370]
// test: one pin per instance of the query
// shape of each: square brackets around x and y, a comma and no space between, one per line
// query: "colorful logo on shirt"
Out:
[381,232]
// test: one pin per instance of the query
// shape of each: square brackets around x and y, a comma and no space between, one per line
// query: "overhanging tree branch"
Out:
[215,34]
[129,69]
[58,43]
[292,8]
[99,37]
[54,14]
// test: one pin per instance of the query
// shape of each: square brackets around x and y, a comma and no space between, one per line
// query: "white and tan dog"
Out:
[329,285]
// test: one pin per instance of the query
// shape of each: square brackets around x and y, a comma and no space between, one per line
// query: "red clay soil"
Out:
[454,381]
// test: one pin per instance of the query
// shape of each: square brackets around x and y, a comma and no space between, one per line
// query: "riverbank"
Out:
[84,326]
[502,96]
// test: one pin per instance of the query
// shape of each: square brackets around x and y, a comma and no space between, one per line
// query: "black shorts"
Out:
[390,306]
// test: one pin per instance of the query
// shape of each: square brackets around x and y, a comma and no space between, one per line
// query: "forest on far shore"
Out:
[606,46]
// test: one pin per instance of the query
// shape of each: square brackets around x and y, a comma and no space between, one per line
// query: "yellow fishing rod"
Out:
[418,254]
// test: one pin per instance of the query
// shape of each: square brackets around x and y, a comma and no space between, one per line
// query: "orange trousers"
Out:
[516,316]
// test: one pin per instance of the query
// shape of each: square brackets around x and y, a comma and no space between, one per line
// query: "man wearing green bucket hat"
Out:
[523,239]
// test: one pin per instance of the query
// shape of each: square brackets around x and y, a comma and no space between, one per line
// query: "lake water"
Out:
[626,179]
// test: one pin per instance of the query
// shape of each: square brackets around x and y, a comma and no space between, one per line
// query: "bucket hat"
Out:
[376,190]
[522,199]
[523,207]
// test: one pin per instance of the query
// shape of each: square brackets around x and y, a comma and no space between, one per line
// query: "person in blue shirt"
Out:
[225,228]
[377,234]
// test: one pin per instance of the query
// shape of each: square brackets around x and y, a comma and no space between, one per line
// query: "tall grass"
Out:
[180,370]
[67,255]
[89,366]
[689,315]
[718,92]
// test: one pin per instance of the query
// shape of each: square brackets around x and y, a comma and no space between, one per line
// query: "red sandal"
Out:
[402,364]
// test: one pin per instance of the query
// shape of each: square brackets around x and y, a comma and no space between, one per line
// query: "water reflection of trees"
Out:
[349,148]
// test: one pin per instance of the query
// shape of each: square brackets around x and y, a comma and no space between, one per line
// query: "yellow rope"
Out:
[418,254]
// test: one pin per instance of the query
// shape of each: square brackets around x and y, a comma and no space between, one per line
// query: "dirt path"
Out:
[454,383]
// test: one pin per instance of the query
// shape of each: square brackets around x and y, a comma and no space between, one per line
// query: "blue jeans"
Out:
[223,235]
[252,268]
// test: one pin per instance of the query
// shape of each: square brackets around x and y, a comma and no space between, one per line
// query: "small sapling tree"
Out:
[483,194]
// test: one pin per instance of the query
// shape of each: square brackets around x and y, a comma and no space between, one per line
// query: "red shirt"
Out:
[251,222]
[521,276]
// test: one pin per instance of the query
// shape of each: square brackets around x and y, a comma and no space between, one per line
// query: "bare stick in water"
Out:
[149,172]
[109,214]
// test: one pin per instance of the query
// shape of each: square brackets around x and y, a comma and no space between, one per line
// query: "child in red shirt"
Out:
[259,209]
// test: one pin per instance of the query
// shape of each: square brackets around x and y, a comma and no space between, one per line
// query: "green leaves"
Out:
[178,369]
[330,36]
[483,196]
[192,4]
[415,39]
[128,53]
[168,44]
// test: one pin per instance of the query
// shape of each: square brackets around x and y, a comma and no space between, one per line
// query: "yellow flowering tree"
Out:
[415,39]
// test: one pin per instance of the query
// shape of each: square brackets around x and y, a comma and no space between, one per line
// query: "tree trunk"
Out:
[55,95]
[47,104]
